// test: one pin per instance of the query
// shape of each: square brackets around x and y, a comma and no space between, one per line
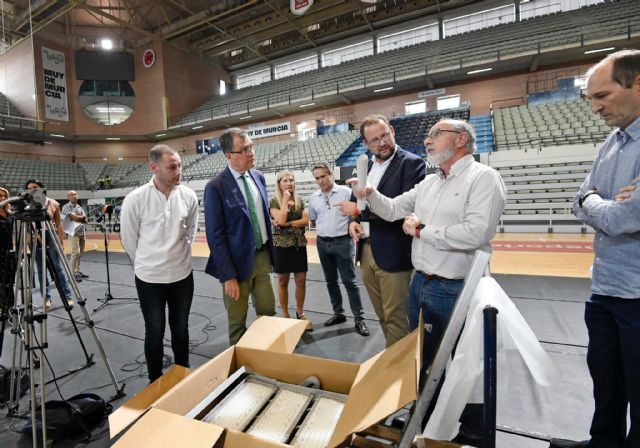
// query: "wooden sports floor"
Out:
[557,255]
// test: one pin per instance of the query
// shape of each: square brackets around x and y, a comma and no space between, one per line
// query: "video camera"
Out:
[28,200]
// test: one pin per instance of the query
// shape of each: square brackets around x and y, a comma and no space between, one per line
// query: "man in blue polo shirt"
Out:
[335,246]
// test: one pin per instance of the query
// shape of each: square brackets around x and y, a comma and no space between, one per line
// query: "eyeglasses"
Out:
[376,141]
[245,151]
[326,202]
[437,132]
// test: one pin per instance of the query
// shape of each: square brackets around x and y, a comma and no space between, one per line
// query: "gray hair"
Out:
[625,67]
[464,126]
[226,138]
[156,153]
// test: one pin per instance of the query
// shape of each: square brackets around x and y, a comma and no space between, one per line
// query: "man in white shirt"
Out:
[450,215]
[158,225]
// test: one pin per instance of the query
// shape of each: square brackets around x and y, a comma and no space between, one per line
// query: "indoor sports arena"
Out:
[320,223]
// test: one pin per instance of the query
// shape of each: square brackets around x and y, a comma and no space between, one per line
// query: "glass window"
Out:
[448,102]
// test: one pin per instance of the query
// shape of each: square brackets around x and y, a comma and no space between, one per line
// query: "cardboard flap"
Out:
[158,428]
[275,334]
[384,384]
[139,403]
[201,381]
[235,439]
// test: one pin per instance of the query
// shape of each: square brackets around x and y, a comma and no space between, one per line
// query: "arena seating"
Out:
[566,29]
[541,185]
[55,175]
[549,124]
[11,118]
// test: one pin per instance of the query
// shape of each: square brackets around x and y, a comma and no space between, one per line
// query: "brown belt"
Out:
[431,276]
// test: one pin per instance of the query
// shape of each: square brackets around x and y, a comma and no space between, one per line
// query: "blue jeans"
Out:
[436,299]
[335,257]
[613,358]
[154,298]
[52,255]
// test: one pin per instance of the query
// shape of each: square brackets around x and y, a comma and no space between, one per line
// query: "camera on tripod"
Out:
[28,200]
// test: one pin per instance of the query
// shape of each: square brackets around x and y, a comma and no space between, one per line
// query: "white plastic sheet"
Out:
[463,381]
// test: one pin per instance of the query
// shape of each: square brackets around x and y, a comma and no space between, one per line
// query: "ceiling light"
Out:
[106,44]
[109,109]
[599,50]
[307,105]
[197,127]
[113,138]
[57,135]
[382,89]
[245,117]
[120,158]
[160,135]
[480,70]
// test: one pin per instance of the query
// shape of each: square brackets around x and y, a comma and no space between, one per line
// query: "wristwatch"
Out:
[418,229]
[585,196]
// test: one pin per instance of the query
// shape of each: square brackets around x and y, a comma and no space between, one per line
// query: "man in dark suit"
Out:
[239,233]
[385,260]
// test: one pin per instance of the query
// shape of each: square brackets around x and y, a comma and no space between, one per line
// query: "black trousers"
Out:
[154,298]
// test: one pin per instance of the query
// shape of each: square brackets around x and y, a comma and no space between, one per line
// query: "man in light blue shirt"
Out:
[609,202]
[335,246]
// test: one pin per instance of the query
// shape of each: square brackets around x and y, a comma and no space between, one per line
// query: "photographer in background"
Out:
[52,208]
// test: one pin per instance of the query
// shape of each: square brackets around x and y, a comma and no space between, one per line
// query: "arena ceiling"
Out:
[254,31]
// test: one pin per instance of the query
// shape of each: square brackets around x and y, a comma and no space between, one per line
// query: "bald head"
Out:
[72,196]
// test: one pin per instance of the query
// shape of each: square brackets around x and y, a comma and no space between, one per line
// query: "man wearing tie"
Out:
[238,233]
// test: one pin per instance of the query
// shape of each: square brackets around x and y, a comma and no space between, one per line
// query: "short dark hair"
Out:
[156,153]
[33,181]
[226,138]
[372,119]
[625,67]
[321,166]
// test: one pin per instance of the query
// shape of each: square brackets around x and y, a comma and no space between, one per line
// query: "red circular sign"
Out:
[148,58]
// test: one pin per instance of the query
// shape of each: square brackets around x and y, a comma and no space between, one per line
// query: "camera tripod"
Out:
[106,229]
[36,233]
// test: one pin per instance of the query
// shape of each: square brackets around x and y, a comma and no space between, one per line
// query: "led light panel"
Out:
[281,415]
[317,428]
[241,405]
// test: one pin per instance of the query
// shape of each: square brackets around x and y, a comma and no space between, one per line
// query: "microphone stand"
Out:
[108,297]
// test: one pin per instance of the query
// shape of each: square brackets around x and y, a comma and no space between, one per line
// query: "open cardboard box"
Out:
[375,389]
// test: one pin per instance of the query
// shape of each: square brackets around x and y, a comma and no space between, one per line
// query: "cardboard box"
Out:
[375,389]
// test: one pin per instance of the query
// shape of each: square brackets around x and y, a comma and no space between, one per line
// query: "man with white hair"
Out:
[450,215]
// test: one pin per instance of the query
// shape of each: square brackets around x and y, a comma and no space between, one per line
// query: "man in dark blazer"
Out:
[385,250]
[239,233]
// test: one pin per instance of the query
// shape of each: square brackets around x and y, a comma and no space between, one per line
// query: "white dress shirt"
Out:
[460,212]
[157,232]
[373,178]
[257,200]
